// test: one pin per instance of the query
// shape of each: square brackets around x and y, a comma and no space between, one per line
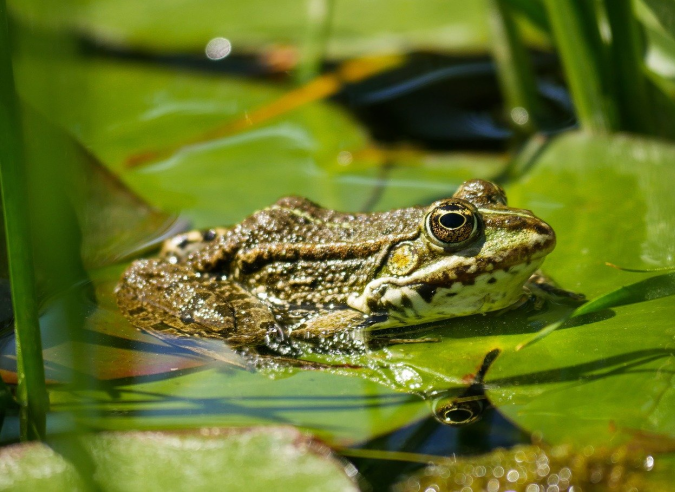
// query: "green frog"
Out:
[297,272]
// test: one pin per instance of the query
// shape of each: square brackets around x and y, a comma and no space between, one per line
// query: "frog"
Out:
[296,273]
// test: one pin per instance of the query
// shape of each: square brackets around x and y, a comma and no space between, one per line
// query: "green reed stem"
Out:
[626,55]
[514,69]
[313,52]
[577,36]
[31,394]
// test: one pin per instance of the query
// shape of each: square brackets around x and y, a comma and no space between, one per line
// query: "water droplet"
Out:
[520,115]
[345,158]
[218,48]
[649,463]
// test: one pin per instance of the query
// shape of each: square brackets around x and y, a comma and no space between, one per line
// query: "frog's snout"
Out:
[544,239]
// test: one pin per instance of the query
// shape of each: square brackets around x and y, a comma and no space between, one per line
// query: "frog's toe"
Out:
[544,289]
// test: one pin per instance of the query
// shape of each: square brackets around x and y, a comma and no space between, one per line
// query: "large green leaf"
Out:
[217,183]
[126,109]
[209,459]
[609,200]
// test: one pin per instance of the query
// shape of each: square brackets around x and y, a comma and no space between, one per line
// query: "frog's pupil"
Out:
[452,220]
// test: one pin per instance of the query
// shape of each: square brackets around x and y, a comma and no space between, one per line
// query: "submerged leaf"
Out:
[266,458]
[320,88]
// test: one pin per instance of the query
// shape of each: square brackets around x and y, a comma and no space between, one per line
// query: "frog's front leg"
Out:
[163,297]
[347,330]
[342,330]
[544,288]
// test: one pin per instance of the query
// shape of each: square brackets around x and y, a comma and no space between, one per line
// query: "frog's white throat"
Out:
[409,300]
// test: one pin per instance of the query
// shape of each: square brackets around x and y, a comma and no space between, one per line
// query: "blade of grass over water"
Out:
[577,37]
[626,56]
[640,270]
[533,11]
[32,394]
[319,17]
[516,75]
[645,290]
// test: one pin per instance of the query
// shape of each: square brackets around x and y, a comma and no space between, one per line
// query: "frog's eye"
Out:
[451,222]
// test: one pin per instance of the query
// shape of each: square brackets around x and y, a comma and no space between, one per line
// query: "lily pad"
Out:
[209,459]
[604,375]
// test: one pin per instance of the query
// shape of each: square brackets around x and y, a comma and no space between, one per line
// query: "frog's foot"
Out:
[171,299]
[543,289]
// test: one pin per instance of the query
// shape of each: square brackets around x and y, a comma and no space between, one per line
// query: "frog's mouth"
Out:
[407,302]
[459,285]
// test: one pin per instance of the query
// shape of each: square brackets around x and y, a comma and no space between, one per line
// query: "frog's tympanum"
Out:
[295,271]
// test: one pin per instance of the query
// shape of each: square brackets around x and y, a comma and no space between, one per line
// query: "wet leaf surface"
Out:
[109,222]
[610,372]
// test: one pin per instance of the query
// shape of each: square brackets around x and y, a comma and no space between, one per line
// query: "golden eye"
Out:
[451,222]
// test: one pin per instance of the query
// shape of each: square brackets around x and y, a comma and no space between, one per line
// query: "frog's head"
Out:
[472,255]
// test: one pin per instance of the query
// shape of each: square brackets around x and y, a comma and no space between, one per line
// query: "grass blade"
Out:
[630,83]
[645,290]
[576,34]
[641,270]
[32,394]
[320,15]
[533,11]
[514,69]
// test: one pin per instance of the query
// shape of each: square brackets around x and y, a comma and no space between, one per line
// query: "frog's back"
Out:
[297,252]
[295,220]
